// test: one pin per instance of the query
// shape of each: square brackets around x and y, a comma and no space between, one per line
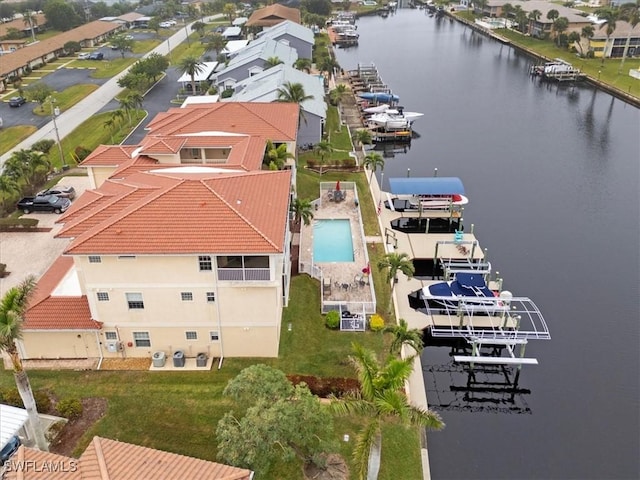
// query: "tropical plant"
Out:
[198,27]
[372,161]
[507,11]
[122,44]
[130,102]
[12,309]
[322,148]
[272,62]
[278,155]
[72,47]
[381,397]
[332,320]
[294,93]
[9,191]
[215,42]
[609,16]
[521,18]
[393,263]
[587,32]
[29,167]
[303,64]
[38,92]
[534,16]
[559,26]
[302,211]
[30,20]
[629,12]
[337,93]
[229,10]
[191,66]
[362,136]
[403,335]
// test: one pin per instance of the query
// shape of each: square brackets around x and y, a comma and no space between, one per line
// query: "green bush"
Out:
[11,224]
[10,396]
[332,320]
[376,323]
[43,145]
[54,430]
[70,408]
[226,93]
[81,153]
[349,162]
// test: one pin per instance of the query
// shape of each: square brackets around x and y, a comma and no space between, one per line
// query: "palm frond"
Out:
[362,448]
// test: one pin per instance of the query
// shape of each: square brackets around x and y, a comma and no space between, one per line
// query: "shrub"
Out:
[11,224]
[376,323]
[332,320]
[226,93]
[43,145]
[43,401]
[81,153]
[11,396]
[54,430]
[324,387]
[349,162]
[70,408]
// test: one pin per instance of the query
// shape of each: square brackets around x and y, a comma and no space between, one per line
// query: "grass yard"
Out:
[110,68]
[66,99]
[193,49]
[92,133]
[12,136]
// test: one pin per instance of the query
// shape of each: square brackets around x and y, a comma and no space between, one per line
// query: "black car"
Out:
[17,101]
[9,449]
[43,203]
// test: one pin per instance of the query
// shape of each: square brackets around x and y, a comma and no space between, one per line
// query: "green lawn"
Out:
[67,98]
[12,136]
[92,133]
[110,68]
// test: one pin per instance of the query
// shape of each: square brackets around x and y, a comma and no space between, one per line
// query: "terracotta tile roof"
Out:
[272,15]
[131,16]
[47,312]
[274,121]
[193,213]
[19,24]
[159,145]
[109,155]
[140,163]
[23,56]
[106,459]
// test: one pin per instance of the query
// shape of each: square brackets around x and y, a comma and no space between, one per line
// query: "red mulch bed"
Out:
[93,409]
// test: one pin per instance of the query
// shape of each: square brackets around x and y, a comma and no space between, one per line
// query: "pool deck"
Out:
[344,281]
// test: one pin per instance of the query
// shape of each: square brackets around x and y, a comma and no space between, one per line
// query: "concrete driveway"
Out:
[33,253]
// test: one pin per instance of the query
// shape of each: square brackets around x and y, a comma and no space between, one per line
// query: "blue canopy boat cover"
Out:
[426,186]
[379,97]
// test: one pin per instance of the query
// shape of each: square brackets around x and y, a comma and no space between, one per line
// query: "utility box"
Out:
[201,360]
[178,358]
[159,359]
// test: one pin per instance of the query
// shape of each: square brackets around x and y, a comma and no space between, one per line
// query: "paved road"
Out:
[92,104]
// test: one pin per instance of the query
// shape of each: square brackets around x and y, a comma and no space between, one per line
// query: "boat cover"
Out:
[426,186]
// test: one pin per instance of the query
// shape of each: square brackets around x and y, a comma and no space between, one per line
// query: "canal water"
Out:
[552,173]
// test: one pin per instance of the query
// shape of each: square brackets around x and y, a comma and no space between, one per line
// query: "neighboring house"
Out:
[106,459]
[37,54]
[543,26]
[272,15]
[615,45]
[201,78]
[8,46]
[299,37]
[232,33]
[19,24]
[264,86]
[234,46]
[252,60]
[184,243]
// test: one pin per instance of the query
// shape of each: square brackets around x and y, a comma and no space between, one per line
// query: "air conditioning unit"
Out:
[114,347]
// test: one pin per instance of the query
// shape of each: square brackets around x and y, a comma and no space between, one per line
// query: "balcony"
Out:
[244,274]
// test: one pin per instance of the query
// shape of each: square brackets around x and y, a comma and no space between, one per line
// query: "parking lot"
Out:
[32,253]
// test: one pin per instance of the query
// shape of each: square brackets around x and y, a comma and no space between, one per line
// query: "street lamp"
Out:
[55,111]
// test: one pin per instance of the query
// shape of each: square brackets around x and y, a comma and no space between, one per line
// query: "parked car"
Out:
[43,203]
[96,56]
[164,25]
[17,101]
[61,191]
[9,449]
[83,56]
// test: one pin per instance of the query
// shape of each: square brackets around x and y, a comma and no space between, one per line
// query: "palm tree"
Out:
[215,42]
[559,26]
[9,191]
[396,262]
[229,10]
[28,166]
[30,20]
[126,106]
[110,125]
[12,308]
[337,93]
[630,12]
[381,397]
[587,32]
[402,335]
[198,27]
[277,155]
[294,93]
[272,62]
[362,136]
[303,64]
[534,16]
[322,148]
[302,210]
[507,10]
[191,66]
[610,16]
[521,17]
[372,161]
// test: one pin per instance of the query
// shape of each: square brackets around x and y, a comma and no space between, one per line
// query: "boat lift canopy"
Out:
[426,186]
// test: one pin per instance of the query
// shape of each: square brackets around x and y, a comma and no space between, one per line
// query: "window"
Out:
[126,257]
[215,336]
[110,336]
[142,339]
[186,296]
[95,259]
[135,301]
[211,297]
[191,335]
[204,261]
[103,296]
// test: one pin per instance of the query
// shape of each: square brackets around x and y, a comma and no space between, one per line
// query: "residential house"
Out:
[8,46]
[272,15]
[234,46]
[252,60]
[106,459]
[39,24]
[264,87]
[201,78]
[299,37]
[614,46]
[183,244]
[232,33]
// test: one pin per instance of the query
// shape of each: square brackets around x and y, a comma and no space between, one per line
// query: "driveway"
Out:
[33,253]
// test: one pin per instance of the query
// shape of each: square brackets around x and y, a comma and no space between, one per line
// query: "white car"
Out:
[83,56]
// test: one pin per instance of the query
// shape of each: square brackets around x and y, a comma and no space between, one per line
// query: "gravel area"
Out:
[32,253]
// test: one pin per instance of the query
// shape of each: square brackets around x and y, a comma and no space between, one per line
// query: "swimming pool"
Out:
[332,241]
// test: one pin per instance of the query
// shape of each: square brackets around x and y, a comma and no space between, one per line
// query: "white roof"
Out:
[232,32]
[200,99]
[233,46]
[288,27]
[12,420]
[239,21]
[206,71]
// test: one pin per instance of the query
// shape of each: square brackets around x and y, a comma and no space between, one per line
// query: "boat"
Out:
[389,122]
[377,109]
[410,116]
[426,194]
[379,97]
